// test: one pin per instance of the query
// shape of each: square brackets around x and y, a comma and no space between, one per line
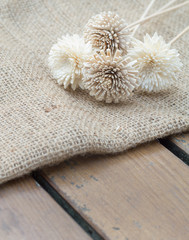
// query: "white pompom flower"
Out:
[108,31]
[156,62]
[109,77]
[66,59]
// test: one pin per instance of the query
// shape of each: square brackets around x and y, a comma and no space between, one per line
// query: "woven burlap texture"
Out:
[40,122]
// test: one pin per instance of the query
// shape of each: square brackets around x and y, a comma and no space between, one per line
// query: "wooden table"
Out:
[142,194]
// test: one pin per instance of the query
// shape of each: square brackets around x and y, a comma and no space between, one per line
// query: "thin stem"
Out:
[166,5]
[179,35]
[157,14]
[161,9]
[143,15]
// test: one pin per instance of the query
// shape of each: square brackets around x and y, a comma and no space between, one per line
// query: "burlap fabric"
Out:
[40,123]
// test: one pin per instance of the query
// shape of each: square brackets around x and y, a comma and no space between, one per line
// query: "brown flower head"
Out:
[107,31]
[109,78]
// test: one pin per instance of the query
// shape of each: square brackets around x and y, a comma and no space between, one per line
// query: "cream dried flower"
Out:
[107,31]
[66,59]
[109,78]
[156,62]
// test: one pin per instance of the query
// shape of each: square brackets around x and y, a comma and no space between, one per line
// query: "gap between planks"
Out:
[66,206]
[28,212]
[127,196]
[178,145]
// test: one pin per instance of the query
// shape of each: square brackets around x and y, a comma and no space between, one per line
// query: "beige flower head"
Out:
[156,63]
[66,59]
[109,78]
[107,31]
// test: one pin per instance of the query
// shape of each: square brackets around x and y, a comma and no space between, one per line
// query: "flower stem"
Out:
[179,35]
[145,13]
[157,14]
[143,16]
[166,5]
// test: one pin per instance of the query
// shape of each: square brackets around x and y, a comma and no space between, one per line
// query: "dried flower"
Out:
[109,78]
[107,31]
[66,59]
[156,62]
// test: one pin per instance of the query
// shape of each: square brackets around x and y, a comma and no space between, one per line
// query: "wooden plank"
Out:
[28,212]
[182,141]
[142,194]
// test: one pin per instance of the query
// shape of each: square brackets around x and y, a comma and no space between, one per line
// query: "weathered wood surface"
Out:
[182,141]
[27,212]
[141,194]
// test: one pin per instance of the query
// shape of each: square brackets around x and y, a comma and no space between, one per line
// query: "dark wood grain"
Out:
[28,212]
[141,194]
